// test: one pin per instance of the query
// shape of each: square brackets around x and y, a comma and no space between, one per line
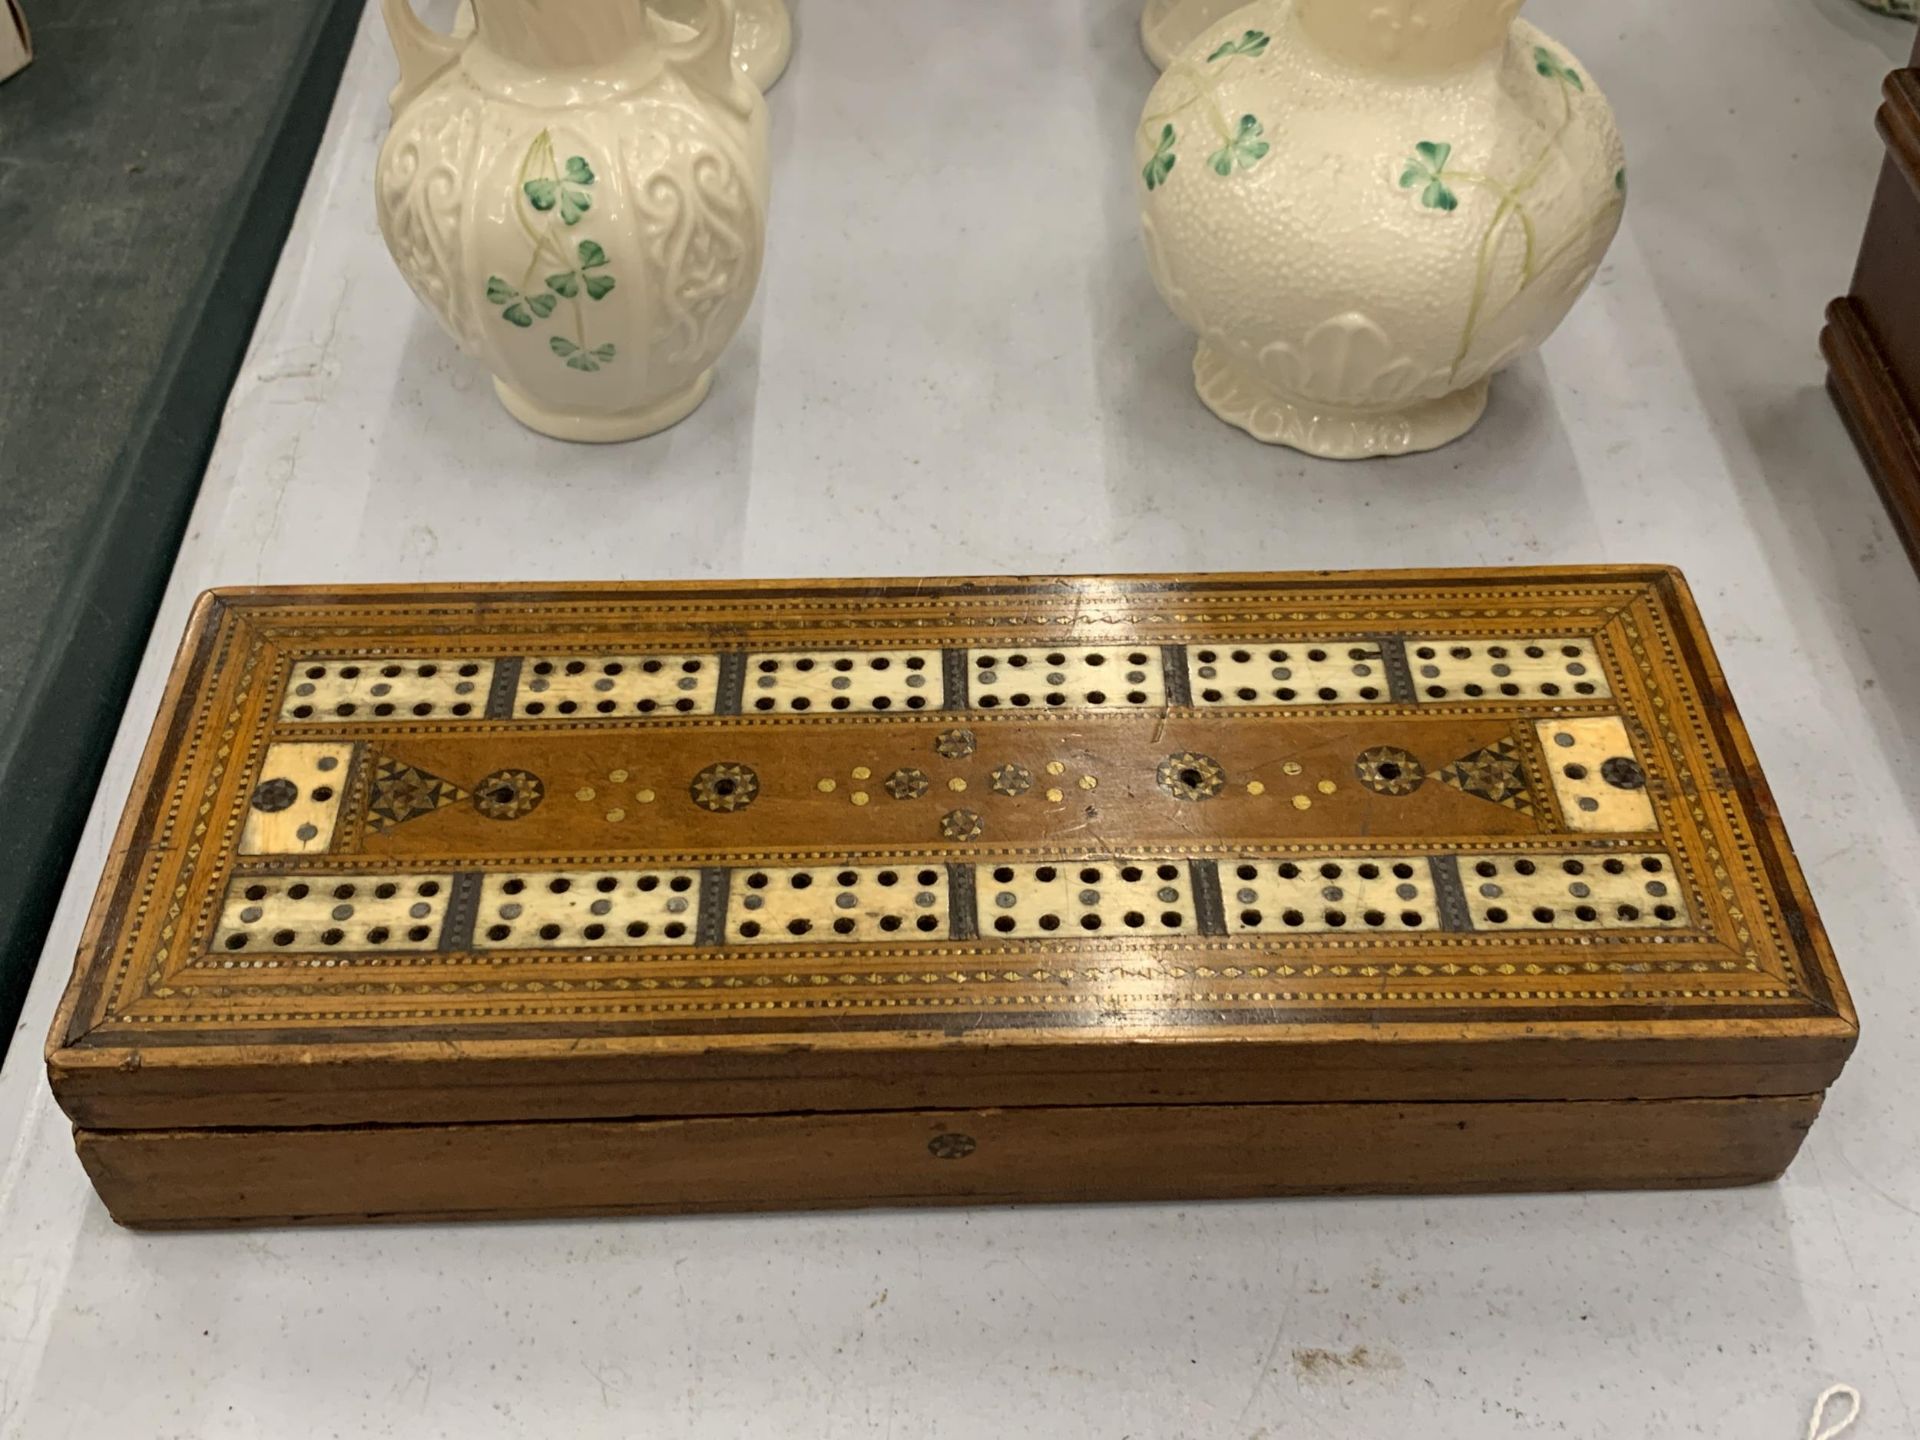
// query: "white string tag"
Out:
[1814,1432]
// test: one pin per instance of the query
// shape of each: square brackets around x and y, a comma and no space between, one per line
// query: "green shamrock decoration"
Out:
[567,283]
[520,309]
[1254,42]
[1161,165]
[1548,65]
[1246,147]
[1620,179]
[1428,167]
[570,194]
[578,358]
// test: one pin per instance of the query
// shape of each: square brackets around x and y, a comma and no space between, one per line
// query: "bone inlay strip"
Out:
[1070,898]
[1252,672]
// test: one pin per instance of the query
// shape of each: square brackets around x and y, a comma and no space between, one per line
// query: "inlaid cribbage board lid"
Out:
[492,853]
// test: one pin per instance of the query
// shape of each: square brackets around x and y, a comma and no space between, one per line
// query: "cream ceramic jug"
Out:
[578,192]
[1366,209]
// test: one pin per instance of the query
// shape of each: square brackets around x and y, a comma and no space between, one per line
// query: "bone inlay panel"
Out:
[1264,672]
[362,688]
[1071,898]
[266,915]
[1041,677]
[295,806]
[1075,899]
[571,909]
[605,685]
[1599,783]
[833,902]
[1636,891]
[835,681]
[1329,895]
[1561,668]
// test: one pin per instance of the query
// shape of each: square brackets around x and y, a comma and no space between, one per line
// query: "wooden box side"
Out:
[170,1179]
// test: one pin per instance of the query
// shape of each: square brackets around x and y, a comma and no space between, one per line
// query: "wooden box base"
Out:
[184,1179]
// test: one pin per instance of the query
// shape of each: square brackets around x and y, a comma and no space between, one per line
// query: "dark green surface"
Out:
[151,159]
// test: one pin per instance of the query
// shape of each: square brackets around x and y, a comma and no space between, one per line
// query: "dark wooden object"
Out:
[501,901]
[1872,338]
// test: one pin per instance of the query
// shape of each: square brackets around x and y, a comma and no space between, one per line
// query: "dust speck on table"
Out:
[1317,1364]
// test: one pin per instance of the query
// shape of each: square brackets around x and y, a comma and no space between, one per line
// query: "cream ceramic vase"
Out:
[762,37]
[1366,209]
[579,193]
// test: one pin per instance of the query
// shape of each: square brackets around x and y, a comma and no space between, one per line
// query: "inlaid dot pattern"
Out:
[296,804]
[1309,672]
[1329,894]
[1066,677]
[584,909]
[836,681]
[331,913]
[1619,891]
[1535,668]
[585,687]
[363,688]
[828,903]
[1085,899]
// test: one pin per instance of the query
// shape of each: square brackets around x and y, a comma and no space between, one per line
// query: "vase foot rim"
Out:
[604,427]
[1332,432]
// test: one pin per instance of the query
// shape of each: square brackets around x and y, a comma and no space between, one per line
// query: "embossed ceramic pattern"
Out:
[580,197]
[1364,211]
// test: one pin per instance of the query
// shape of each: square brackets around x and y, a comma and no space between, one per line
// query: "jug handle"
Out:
[705,59]
[423,51]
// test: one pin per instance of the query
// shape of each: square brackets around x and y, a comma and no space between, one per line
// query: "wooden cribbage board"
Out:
[552,900]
